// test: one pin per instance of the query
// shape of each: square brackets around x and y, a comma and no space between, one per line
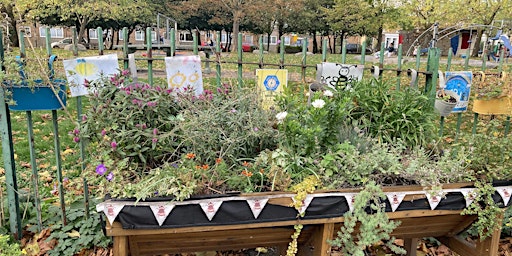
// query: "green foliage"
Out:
[374,224]
[78,234]
[390,114]
[8,247]
[486,209]
[292,49]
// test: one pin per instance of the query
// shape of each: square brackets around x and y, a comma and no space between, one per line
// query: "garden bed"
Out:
[236,223]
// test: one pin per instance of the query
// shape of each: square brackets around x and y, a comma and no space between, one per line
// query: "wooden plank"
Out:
[459,245]
[489,246]
[120,247]
[410,245]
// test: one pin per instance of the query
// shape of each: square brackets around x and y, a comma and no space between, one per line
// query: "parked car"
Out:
[248,47]
[67,41]
[356,48]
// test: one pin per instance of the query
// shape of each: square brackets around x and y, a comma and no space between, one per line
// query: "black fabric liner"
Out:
[238,212]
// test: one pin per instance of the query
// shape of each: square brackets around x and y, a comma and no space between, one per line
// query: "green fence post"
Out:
[58,161]
[507,126]
[218,54]
[281,53]
[432,69]
[363,52]
[8,157]
[324,50]
[344,52]
[195,43]
[125,48]
[399,67]
[239,65]
[173,42]
[99,33]
[149,47]
[466,60]
[381,58]
[304,53]
[260,51]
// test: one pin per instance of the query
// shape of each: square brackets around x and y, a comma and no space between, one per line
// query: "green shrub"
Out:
[292,49]
[10,248]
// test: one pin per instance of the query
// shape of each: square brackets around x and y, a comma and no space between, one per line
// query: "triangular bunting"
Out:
[257,206]
[210,208]
[434,200]
[350,197]
[112,210]
[305,203]
[161,211]
[395,199]
[469,195]
[505,193]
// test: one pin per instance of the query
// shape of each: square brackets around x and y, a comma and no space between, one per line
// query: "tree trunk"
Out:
[379,40]
[315,43]
[476,43]
[237,18]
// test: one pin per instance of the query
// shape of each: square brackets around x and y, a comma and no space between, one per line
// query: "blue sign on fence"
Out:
[460,83]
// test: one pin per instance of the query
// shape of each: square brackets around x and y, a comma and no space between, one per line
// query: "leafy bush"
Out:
[8,247]
[292,49]
[390,114]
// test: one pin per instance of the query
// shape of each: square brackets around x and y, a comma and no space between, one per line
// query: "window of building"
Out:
[139,35]
[153,36]
[248,39]
[27,30]
[93,33]
[287,40]
[120,35]
[186,37]
[54,32]
[273,39]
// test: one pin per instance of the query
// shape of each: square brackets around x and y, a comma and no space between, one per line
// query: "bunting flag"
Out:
[434,199]
[469,195]
[80,70]
[211,207]
[505,193]
[305,203]
[184,72]
[338,76]
[112,210]
[161,211]
[395,199]
[269,84]
[257,205]
[351,199]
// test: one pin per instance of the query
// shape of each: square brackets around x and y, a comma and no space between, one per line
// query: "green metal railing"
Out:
[215,57]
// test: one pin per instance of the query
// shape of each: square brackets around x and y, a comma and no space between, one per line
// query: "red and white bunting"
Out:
[211,207]
[505,193]
[351,199]
[111,210]
[395,199]
[434,199]
[305,203]
[257,206]
[161,211]
[469,195]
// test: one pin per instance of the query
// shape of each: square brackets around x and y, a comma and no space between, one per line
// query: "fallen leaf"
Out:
[68,151]
[73,233]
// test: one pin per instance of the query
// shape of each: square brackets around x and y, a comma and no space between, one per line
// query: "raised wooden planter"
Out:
[320,225]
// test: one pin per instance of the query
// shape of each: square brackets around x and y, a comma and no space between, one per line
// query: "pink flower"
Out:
[76,139]
[154,140]
[155,131]
[103,132]
[113,144]
[110,176]
[125,72]
[84,118]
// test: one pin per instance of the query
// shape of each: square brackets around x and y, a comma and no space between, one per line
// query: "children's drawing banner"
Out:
[184,72]
[460,83]
[338,76]
[89,68]
[270,82]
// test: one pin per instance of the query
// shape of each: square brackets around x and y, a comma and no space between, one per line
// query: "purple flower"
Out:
[76,132]
[256,129]
[101,169]
[154,140]
[103,132]
[76,139]
[113,144]
[155,131]
[125,72]
[110,176]
[233,110]
[151,104]
[84,118]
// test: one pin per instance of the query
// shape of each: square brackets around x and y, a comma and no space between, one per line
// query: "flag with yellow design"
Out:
[270,82]
[184,72]
[89,68]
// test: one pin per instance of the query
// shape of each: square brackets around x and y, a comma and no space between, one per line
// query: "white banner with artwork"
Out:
[80,70]
[459,82]
[338,76]
[183,72]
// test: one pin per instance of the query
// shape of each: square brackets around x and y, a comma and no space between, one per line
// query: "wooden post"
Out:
[410,245]
[120,246]
[317,245]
